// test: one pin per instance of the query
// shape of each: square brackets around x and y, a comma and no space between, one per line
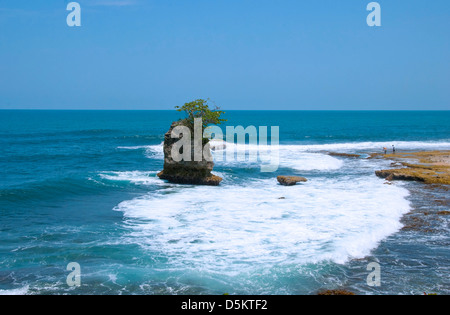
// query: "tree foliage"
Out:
[200,109]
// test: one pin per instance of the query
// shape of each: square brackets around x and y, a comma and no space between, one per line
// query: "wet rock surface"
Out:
[290,180]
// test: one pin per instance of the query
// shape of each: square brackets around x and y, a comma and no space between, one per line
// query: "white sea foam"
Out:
[361,146]
[284,156]
[151,151]
[155,151]
[297,156]
[235,228]
[135,177]
[138,147]
[239,227]
[19,291]
[305,161]
[350,146]
[366,146]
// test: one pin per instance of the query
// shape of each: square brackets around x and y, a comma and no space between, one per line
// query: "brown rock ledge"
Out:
[431,167]
[344,155]
[290,180]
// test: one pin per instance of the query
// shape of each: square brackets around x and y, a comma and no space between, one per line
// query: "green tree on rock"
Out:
[200,109]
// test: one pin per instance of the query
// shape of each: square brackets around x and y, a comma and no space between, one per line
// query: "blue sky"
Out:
[243,54]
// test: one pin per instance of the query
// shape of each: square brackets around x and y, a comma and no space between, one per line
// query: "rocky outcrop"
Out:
[432,167]
[400,174]
[187,171]
[344,155]
[290,180]
[429,174]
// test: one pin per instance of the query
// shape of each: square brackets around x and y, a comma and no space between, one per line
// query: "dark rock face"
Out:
[344,155]
[191,171]
[399,175]
[290,180]
[190,179]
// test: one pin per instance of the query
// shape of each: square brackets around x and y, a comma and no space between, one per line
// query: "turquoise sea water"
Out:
[81,186]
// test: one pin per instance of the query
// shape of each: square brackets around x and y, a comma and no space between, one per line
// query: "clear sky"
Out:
[243,54]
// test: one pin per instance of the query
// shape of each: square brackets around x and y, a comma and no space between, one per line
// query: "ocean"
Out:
[81,186]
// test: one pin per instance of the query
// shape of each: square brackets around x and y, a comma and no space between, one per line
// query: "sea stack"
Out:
[187,172]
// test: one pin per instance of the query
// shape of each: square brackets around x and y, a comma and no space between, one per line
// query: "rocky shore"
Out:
[430,167]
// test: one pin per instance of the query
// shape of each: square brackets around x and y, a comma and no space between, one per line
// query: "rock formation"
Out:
[290,180]
[344,155]
[187,172]
[433,167]
[399,174]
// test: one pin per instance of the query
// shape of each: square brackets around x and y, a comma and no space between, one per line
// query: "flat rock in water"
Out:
[290,180]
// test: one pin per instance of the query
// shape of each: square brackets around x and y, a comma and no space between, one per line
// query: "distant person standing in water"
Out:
[385,150]
[393,149]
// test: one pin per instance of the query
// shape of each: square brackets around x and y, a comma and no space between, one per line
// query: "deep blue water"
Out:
[81,186]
